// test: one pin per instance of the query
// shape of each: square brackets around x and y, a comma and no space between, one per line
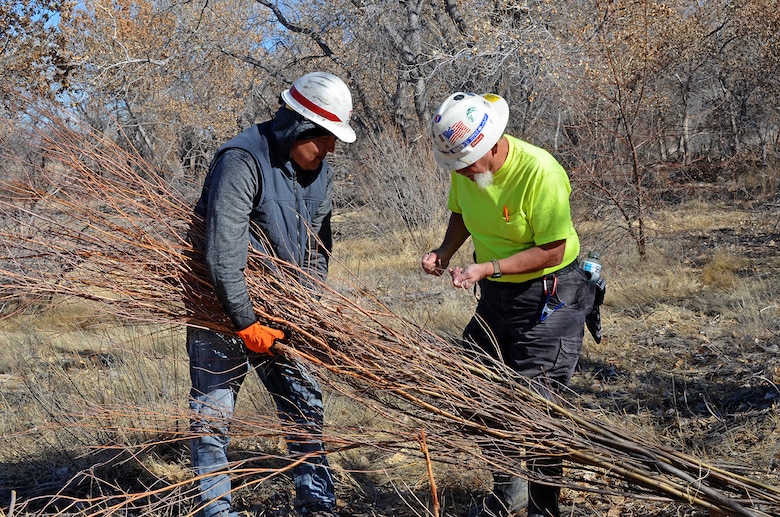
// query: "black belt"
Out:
[574,264]
[571,266]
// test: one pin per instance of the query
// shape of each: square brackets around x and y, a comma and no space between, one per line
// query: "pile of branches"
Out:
[84,217]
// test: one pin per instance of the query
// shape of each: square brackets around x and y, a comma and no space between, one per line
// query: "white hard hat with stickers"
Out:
[466,126]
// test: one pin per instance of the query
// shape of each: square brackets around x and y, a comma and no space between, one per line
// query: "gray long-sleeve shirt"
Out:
[253,195]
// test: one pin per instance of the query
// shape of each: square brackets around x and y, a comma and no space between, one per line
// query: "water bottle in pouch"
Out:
[592,266]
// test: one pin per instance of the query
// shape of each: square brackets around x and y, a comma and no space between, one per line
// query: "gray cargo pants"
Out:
[507,327]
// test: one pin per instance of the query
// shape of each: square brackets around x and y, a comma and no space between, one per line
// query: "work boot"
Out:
[489,506]
[318,511]
[510,495]
[512,491]
[543,500]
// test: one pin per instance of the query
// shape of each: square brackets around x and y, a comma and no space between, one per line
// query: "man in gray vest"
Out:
[269,188]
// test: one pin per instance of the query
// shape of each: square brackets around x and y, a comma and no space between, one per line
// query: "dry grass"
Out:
[723,271]
[648,424]
[690,352]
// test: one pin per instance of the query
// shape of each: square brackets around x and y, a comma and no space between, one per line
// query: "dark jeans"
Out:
[507,327]
[218,367]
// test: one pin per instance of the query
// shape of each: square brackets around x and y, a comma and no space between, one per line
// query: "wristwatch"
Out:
[496,270]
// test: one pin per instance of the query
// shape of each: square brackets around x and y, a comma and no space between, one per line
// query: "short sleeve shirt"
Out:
[527,205]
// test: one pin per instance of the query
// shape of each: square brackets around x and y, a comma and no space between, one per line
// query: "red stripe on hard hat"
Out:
[306,103]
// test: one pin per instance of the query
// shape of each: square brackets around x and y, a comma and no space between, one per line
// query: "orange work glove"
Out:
[259,338]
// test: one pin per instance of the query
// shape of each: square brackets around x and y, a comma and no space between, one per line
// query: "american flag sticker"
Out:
[456,132]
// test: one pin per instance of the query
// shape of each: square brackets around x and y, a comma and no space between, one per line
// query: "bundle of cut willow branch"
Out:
[86,218]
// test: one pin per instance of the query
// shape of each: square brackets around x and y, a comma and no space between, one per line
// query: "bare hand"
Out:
[466,278]
[433,264]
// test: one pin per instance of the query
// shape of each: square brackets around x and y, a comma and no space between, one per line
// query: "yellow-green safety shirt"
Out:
[527,205]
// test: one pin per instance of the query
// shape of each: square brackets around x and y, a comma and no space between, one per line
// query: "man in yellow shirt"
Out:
[512,199]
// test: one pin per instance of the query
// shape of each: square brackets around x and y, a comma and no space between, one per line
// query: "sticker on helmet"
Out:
[475,135]
[491,97]
[456,131]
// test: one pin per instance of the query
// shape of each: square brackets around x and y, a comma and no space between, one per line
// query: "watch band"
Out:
[496,270]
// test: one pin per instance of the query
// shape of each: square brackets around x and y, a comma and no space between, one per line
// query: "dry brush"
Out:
[88,219]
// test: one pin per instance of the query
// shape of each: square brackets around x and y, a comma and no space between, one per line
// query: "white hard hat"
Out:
[324,99]
[466,126]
